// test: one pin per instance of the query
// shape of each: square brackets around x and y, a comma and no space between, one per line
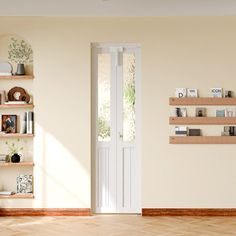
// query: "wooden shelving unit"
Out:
[16,135]
[16,106]
[202,140]
[16,77]
[202,120]
[20,164]
[17,196]
[201,101]
[204,101]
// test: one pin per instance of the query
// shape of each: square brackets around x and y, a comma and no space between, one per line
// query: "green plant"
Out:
[20,51]
[13,148]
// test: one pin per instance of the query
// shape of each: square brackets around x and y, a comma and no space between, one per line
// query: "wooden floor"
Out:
[116,225]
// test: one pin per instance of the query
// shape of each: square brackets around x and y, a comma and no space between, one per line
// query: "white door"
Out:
[116,128]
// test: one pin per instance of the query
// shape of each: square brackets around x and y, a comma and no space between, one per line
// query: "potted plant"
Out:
[14,149]
[21,53]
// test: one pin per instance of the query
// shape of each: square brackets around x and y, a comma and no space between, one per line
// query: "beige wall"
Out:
[195,52]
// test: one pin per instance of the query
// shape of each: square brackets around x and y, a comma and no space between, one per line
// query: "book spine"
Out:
[30,122]
[24,121]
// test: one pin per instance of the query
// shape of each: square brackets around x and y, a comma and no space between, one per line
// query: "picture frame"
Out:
[24,184]
[200,112]
[221,112]
[9,123]
[216,92]
[192,93]
[181,92]
[180,112]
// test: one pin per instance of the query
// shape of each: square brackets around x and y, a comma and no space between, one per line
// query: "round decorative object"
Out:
[18,94]
[24,97]
[15,158]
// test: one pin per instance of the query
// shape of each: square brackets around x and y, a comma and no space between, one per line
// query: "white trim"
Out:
[109,45]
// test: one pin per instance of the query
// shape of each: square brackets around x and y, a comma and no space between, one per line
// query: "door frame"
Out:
[94,94]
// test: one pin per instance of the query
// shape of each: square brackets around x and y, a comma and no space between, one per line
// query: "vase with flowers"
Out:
[20,52]
[14,151]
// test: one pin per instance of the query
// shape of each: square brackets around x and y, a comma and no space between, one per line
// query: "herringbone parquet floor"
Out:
[117,225]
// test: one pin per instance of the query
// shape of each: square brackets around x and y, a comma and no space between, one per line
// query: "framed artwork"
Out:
[200,112]
[24,184]
[9,123]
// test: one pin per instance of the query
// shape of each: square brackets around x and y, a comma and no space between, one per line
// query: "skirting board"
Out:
[45,212]
[189,212]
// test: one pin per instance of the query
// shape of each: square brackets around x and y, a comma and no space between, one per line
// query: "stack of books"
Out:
[15,102]
[6,193]
[5,74]
[2,158]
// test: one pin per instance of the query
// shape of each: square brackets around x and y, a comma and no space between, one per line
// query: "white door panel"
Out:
[116,139]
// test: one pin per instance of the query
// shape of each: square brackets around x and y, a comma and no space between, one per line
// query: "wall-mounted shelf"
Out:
[202,101]
[16,135]
[16,77]
[16,106]
[202,140]
[17,196]
[20,164]
[202,120]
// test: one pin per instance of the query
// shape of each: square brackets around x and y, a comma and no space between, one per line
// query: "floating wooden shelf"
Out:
[16,196]
[16,135]
[202,140]
[16,106]
[202,120]
[16,77]
[10,164]
[201,101]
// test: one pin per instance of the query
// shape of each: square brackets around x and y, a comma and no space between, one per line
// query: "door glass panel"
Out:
[128,97]
[104,97]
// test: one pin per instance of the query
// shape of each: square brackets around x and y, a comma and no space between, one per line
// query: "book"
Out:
[180,92]
[5,74]
[216,92]
[23,124]
[15,102]
[181,130]
[3,96]
[29,122]
[6,193]
[192,93]
[194,132]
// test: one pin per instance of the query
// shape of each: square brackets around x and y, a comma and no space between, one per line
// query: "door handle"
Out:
[120,135]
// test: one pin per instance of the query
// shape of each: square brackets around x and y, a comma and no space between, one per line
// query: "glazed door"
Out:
[116,125]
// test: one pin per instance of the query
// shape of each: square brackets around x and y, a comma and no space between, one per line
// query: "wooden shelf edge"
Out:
[17,196]
[16,106]
[16,77]
[16,135]
[204,101]
[202,139]
[7,164]
[202,120]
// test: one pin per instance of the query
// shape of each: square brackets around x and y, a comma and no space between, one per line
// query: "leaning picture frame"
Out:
[9,123]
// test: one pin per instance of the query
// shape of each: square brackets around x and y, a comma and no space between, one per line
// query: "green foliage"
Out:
[20,52]
[129,89]
[103,128]
[13,148]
